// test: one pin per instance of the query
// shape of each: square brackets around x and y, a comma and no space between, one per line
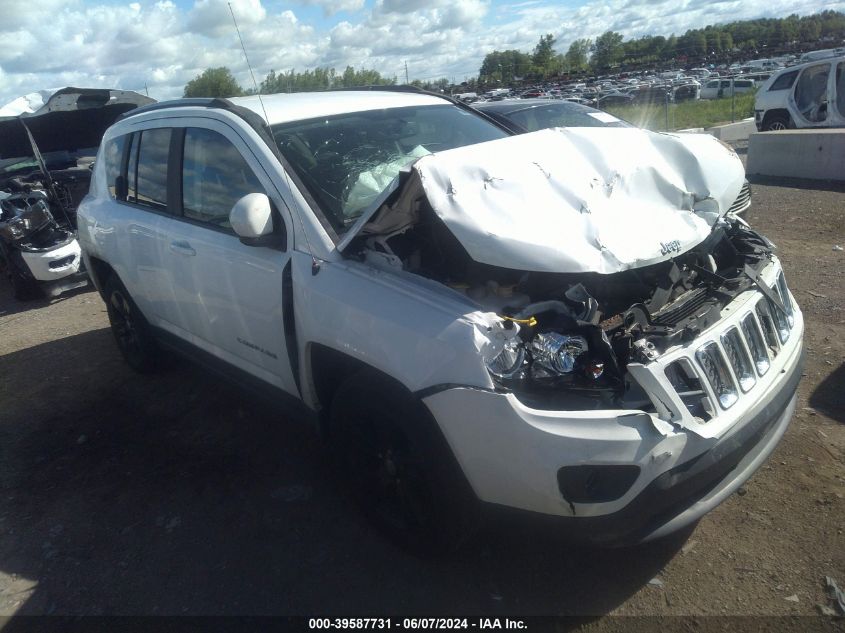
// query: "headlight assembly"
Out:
[558,352]
[509,361]
[30,218]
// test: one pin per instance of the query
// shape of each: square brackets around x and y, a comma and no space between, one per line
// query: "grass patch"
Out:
[703,113]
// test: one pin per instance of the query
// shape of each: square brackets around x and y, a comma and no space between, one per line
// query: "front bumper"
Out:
[54,264]
[511,454]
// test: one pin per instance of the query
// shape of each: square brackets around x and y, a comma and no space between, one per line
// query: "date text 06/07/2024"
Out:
[416,623]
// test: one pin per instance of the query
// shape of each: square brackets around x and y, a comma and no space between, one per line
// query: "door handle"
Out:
[182,248]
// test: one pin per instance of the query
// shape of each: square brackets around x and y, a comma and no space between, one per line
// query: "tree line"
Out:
[219,82]
[610,49]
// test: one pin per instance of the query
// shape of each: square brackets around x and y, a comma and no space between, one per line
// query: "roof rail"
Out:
[194,102]
[388,88]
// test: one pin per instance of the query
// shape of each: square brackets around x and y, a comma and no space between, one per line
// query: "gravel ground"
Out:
[176,494]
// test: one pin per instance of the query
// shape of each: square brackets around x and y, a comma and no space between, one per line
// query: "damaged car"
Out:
[570,323]
[45,169]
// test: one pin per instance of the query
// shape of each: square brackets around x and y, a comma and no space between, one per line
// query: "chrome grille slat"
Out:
[729,363]
[767,324]
[786,299]
[711,359]
[754,339]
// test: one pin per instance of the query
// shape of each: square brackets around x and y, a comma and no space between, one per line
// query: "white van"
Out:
[807,95]
[726,87]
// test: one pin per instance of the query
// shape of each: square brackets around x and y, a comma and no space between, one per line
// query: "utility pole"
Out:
[406,73]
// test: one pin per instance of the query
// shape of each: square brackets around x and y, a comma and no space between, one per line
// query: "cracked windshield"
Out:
[347,161]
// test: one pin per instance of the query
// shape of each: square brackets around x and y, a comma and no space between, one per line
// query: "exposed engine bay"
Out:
[581,330]
[46,156]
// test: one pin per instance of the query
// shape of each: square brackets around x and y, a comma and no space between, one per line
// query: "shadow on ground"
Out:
[176,494]
[829,397]
[797,183]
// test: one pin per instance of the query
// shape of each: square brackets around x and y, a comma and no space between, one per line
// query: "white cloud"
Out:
[214,17]
[330,7]
[157,43]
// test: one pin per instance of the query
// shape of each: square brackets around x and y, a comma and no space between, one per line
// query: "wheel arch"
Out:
[779,113]
[99,272]
[328,368]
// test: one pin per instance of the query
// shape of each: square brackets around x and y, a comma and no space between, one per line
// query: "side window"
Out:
[811,93]
[785,81]
[113,160]
[840,88]
[214,177]
[151,186]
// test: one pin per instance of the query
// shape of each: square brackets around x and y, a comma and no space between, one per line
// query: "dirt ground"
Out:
[176,494]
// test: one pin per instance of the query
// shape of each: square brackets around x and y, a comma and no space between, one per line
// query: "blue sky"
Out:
[162,44]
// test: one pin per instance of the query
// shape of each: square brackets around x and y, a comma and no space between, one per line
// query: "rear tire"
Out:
[130,328]
[396,463]
[776,122]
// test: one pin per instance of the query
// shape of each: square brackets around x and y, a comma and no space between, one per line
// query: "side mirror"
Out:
[252,220]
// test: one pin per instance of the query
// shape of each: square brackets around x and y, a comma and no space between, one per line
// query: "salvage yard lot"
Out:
[176,494]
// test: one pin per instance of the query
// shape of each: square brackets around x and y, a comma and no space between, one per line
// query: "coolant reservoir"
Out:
[495,298]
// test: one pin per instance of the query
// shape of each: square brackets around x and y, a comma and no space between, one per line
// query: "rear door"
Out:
[810,99]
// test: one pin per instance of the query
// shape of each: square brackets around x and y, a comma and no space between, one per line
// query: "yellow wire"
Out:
[530,321]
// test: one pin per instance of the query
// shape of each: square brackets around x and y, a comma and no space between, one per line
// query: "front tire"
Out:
[398,467]
[130,328]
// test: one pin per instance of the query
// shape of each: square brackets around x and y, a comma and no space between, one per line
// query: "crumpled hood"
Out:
[582,199]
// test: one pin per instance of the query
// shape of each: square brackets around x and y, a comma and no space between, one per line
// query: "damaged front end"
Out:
[585,305]
[39,251]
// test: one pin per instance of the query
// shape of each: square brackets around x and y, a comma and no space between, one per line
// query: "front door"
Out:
[227,296]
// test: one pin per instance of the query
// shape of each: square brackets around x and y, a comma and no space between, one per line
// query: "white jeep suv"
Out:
[571,322]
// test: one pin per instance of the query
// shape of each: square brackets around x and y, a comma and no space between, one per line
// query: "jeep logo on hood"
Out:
[670,247]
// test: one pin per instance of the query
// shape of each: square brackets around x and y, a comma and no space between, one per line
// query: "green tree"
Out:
[809,30]
[577,57]
[321,79]
[607,50]
[213,82]
[505,66]
[544,54]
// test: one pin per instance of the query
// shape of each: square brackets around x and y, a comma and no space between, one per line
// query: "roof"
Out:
[298,106]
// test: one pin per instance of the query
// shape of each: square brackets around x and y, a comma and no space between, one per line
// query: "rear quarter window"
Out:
[113,160]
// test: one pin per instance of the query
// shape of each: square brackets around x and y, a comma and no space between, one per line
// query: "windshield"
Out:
[346,161]
[561,115]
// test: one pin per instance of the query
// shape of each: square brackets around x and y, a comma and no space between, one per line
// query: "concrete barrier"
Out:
[691,130]
[739,131]
[816,154]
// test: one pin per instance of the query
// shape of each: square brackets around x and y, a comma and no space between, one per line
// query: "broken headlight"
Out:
[509,361]
[550,354]
[557,353]
[28,220]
